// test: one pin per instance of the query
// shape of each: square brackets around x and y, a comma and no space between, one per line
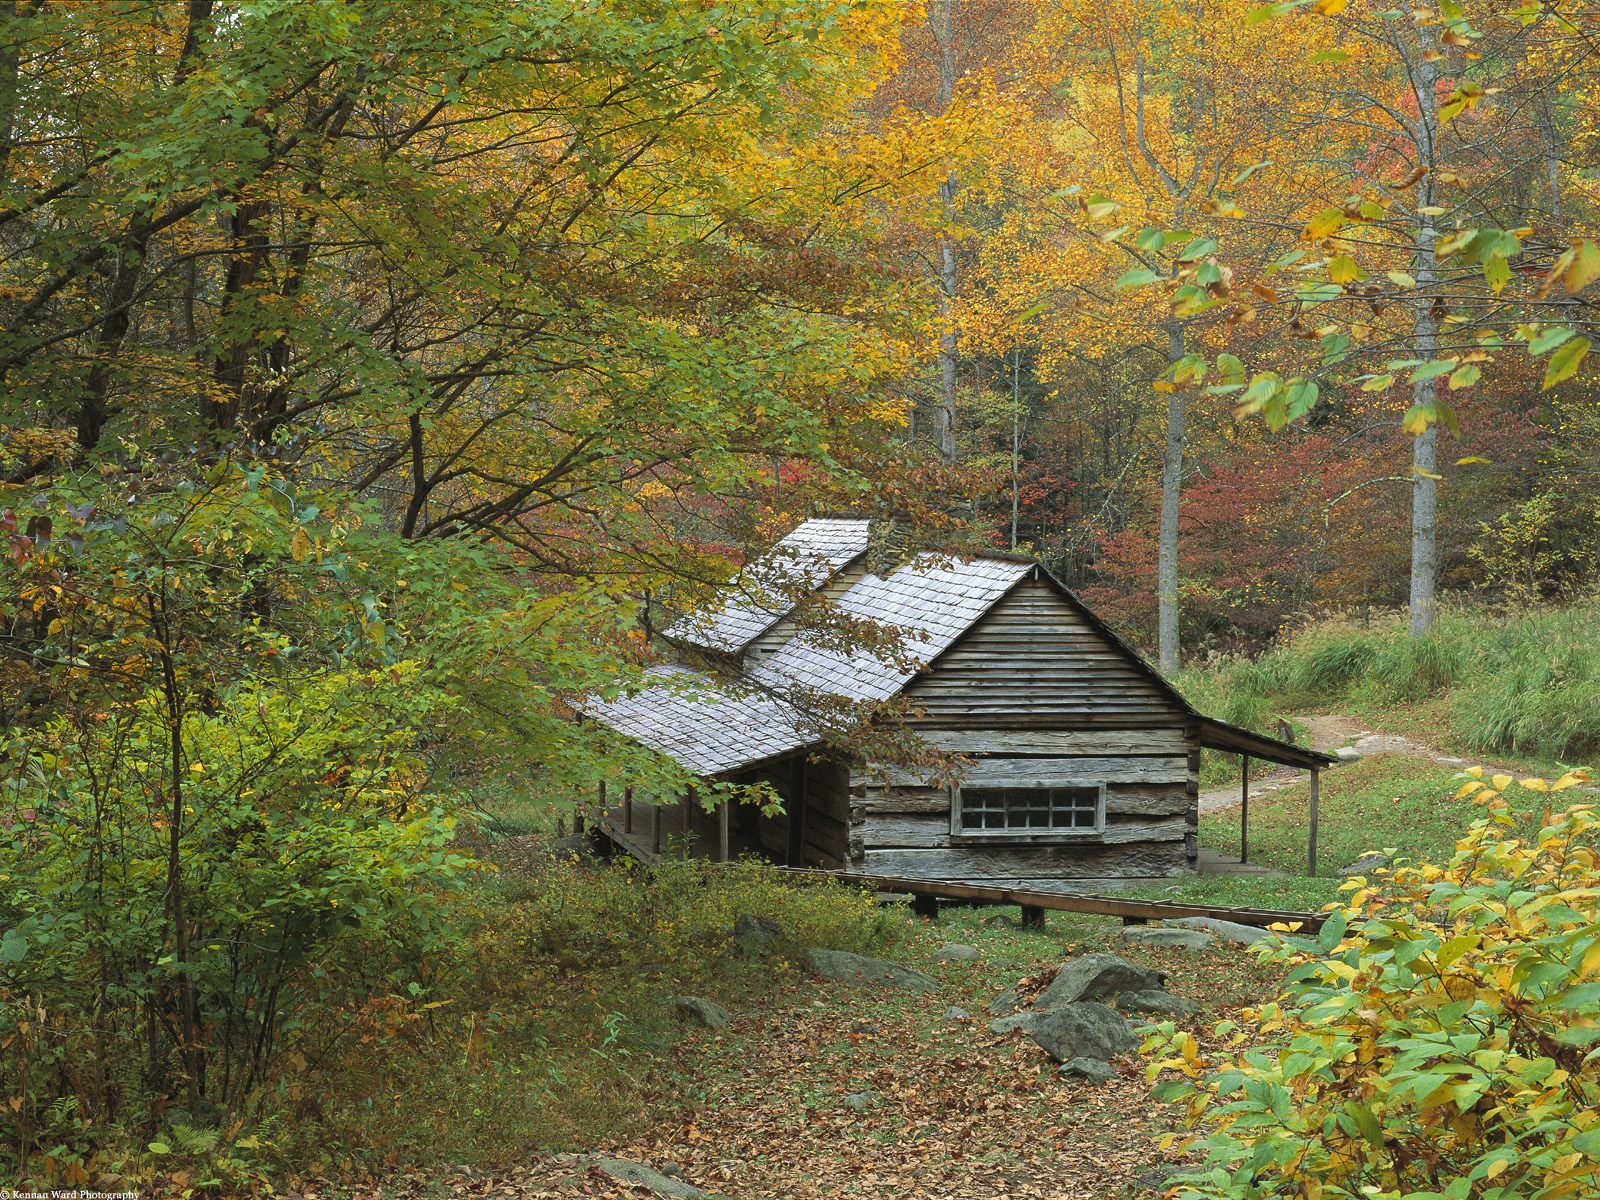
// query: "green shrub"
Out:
[1437,1041]
[554,1018]
[1522,682]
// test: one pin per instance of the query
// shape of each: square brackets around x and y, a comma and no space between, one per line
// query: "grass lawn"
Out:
[1391,802]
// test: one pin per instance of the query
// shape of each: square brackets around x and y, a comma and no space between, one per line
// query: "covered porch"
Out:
[1232,739]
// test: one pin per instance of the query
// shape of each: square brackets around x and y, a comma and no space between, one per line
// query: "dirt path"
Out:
[1328,732]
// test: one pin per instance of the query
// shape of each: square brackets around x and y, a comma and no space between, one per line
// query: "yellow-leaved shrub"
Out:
[1438,1040]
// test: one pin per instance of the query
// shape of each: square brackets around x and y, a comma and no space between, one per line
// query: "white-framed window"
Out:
[1067,811]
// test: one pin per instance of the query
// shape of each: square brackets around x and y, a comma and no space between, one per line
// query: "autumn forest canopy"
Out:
[378,377]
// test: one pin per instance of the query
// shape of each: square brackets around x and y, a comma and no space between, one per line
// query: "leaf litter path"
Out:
[947,1111]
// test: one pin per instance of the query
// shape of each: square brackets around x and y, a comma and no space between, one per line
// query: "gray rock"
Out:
[1092,1069]
[1347,754]
[1006,1002]
[857,968]
[1096,976]
[757,937]
[637,1174]
[1008,1024]
[1161,935]
[577,845]
[1156,1002]
[857,1101]
[1245,935]
[1086,1029]
[956,952]
[1368,863]
[702,1012]
[954,1013]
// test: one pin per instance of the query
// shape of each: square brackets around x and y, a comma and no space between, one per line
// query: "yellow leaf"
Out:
[1343,269]
[1332,8]
[1584,268]
[1401,279]
[1501,782]
[1535,784]
[299,545]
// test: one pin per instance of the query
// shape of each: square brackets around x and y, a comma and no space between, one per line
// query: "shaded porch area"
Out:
[1232,739]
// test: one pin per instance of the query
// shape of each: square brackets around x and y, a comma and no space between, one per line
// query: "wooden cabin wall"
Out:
[826,824]
[1034,695]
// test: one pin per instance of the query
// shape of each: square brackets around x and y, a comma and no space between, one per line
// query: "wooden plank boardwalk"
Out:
[655,831]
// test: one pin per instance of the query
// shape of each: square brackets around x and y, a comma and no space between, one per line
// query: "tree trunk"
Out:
[1168,657]
[941,20]
[1425,345]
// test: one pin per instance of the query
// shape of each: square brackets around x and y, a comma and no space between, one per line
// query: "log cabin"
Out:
[1075,764]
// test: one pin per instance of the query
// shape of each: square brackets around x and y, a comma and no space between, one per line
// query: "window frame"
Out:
[960,835]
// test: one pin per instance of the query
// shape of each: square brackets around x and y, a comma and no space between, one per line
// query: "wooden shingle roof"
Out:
[929,603]
[708,727]
[715,726]
[766,591]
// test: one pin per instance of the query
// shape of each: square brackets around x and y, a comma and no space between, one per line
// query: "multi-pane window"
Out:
[1030,810]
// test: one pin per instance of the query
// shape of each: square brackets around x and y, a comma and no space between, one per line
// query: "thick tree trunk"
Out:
[1168,656]
[1425,345]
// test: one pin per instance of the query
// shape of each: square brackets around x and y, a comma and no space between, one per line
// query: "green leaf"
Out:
[1249,171]
[1433,368]
[1465,377]
[1365,1122]
[1549,339]
[160,1148]
[13,946]
[1137,277]
[1497,271]
[1564,362]
[1198,248]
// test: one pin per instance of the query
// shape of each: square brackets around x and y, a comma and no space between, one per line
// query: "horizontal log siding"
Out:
[1034,663]
[1035,696]
[1045,865]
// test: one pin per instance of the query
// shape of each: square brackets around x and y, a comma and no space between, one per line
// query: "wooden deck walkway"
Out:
[679,830]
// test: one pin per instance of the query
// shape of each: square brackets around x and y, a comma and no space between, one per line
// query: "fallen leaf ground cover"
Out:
[940,1107]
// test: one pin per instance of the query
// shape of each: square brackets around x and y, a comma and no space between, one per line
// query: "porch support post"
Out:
[1311,846]
[722,832]
[1244,808]
[795,805]
[627,810]
[655,829]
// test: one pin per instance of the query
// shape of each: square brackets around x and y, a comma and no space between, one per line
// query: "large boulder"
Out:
[757,937]
[1096,977]
[702,1012]
[638,1175]
[1369,862]
[1161,935]
[1164,1003]
[1085,1029]
[956,952]
[1232,931]
[1013,1022]
[857,968]
[1005,1003]
[1091,1069]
